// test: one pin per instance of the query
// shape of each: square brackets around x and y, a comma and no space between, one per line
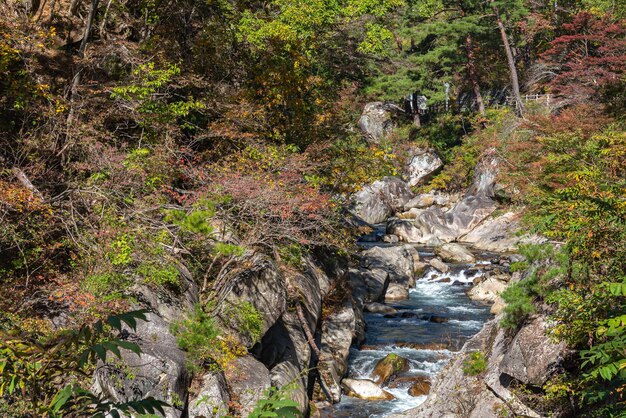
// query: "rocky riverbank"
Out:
[312,316]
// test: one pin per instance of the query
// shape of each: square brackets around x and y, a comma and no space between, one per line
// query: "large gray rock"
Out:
[468,213]
[439,265]
[447,225]
[396,291]
[379,200]
[487,290]
[262,285]
[485,174]
[247,381]
[405,230]
[375,122]
[369,284]
[338,332]
[434,226]
[421,165]
[365,389]
[159,371]
[401,262]
[287,373]
[532,357]
[455,253]
[421,201]
[169,305]
[499,234]
[212,399]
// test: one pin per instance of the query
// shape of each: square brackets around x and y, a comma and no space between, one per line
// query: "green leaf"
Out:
[61,398]
[129,346]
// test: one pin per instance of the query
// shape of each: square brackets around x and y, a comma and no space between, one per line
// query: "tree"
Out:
[588,57]
[513,9]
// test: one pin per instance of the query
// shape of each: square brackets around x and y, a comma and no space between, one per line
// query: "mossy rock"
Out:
[389,367]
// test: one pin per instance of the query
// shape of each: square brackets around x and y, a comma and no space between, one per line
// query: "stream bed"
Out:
[428,345]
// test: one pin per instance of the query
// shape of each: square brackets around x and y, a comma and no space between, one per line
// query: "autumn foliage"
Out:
[588,56]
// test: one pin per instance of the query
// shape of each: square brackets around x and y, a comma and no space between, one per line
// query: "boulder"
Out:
[368,285]
[498,306]
[262,285]
[433,224]
[421,201]
[365,389]
[375,122]
[455,253]
[159,371]
[420,268]
[405,230]
[337,336]
[247,381]
[380,308]
[400,262]
[396,291]
[488,290]
[287,374]
[532,357]
[412,213]
[439,265]
[467,214]
[375,202]
[499,234]
[485,174]
[421,165]
[420,387]
[212,399]
[389,367]
[437,225]
[170,307]
[391,239]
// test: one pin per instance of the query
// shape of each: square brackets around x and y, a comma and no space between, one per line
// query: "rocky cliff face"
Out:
[293,330]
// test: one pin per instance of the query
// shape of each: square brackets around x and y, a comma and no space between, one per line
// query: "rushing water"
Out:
[427,345]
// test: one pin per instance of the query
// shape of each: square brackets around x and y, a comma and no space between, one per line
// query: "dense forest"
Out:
[148,147]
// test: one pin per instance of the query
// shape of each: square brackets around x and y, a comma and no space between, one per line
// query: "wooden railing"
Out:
[440,107]
[545,98]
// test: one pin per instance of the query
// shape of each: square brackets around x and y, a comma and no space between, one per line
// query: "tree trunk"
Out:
[519,104]
[31,6]
[472,75]
[74,7]
[416,120]
[65,143]
[90,19]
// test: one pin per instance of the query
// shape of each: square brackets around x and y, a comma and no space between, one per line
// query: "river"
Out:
[426,344]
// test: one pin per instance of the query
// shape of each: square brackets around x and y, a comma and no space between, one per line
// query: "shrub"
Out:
[197,335]
[121,250]
[46,375]
[475,364]
[277,403]
[206,343]
[160,275]
[519,305]
[109,286]
[291,254]
[250,320]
